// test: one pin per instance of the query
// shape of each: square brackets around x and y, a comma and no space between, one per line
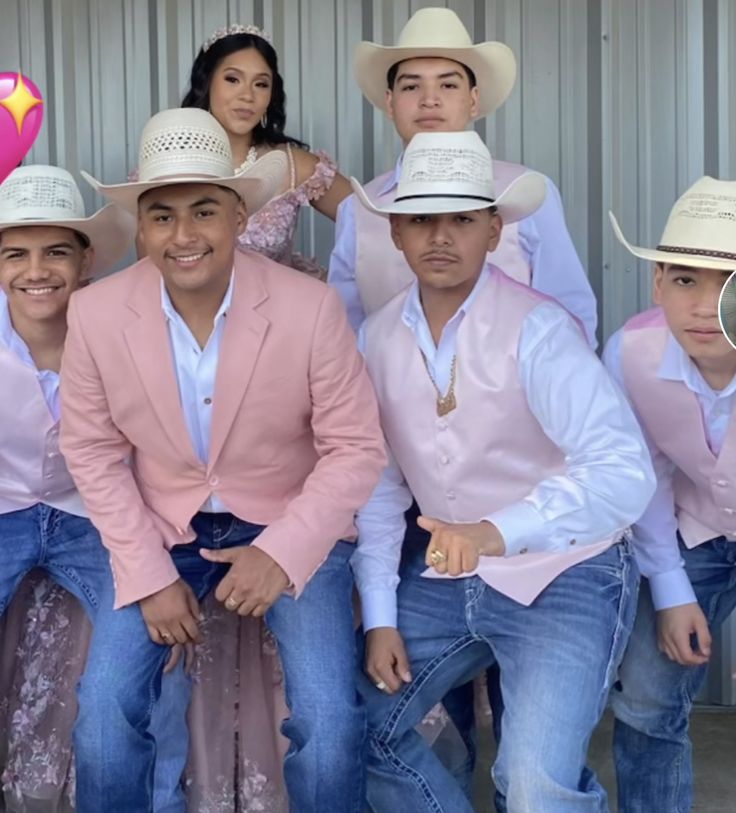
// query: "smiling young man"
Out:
[222,429]
[436,80]
[527,465]
[679,372]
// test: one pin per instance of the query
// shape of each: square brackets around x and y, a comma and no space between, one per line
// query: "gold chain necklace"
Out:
[445,403]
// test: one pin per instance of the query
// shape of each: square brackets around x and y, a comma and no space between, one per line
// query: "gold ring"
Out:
[381,686]
[230,603]
[436,556]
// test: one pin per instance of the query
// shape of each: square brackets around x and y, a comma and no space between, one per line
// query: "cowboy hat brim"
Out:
[670,257]
[255,185]
[521,198]
[493,64]
[111,233]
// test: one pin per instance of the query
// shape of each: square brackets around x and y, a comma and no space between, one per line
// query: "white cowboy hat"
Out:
[189,145]
[438,32]
[40,195]
[700,231]
[453,172]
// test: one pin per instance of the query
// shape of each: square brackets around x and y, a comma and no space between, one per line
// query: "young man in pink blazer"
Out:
[222,430]
[679,372]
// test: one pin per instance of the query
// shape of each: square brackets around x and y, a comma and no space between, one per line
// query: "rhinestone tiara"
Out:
[235,28]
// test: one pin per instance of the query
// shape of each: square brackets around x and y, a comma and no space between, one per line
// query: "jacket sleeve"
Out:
[97,456]
[350,445]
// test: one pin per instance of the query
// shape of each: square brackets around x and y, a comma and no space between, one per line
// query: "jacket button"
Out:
[214,481]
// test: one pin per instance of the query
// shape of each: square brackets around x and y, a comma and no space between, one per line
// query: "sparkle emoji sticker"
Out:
[21,114]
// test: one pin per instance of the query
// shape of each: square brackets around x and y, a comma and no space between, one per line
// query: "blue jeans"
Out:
[324,765]
[558,658]
[654,695]
[69,549]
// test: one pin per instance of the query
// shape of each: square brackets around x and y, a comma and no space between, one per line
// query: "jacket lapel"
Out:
[148,340]
[243,336]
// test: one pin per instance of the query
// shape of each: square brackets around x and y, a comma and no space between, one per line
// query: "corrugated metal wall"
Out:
[622,102]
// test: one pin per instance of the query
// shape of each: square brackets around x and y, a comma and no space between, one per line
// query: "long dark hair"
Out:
[206,64]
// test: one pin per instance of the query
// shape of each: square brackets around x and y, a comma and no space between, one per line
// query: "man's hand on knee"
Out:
[252,584]
[386,662]
[172,615]
[675,626]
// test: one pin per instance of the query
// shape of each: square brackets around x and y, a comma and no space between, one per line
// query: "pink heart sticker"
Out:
[21,114]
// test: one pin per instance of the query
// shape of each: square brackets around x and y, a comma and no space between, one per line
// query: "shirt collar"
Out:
[676,365]
[168,307]
[413,313]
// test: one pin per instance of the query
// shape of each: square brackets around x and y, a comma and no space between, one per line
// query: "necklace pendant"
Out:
[446,404]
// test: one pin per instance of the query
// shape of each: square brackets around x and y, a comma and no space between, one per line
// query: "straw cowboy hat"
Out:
[453,172]
[700,231]
[438,32]
[189,145]
[40,195]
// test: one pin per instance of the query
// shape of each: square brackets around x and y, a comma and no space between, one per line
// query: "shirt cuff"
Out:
[521,527]
[379,608]
[671,589]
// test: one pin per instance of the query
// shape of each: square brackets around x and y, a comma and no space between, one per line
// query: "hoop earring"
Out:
[264,120]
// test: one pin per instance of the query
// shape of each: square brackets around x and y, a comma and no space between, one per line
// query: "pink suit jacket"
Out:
[295,444]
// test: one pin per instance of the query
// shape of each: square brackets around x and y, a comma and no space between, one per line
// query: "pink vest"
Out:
[704,485]
[490,451]
[381,271]
[32,469]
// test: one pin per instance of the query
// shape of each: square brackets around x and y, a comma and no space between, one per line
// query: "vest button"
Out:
[722,483]
[450,495]
[442,425]
[444,459]
[729,510]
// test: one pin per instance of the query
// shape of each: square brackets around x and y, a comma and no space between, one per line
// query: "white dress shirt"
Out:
[47,379]
[543,237]
[579,408]
[655,534]
[196,371]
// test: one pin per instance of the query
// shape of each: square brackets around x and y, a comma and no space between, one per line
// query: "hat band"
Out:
[702,252]
[439,195]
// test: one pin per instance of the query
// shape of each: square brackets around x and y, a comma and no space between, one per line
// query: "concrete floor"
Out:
[714,752]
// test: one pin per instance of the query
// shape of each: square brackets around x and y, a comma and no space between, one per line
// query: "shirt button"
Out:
[48,475]
[214,481]
[573,541]
[444,460]
[208,401]
[524,550]
[442,425]
[450,495]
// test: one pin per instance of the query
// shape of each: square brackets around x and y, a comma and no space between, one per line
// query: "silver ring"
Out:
[230,603]
[381,686]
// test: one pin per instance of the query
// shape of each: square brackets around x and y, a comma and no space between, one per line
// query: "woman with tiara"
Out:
[235,76]
[237,705]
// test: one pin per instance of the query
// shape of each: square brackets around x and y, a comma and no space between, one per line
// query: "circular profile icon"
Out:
[727,309]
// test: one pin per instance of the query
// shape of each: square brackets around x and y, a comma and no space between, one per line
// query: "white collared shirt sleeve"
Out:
[341,271]
[608,479]
[381,529]
[556,267]
[655,532]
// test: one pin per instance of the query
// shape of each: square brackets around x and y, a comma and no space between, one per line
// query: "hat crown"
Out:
[439,26]
[184,142]
[703,220]
[446,164]
[40,193]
